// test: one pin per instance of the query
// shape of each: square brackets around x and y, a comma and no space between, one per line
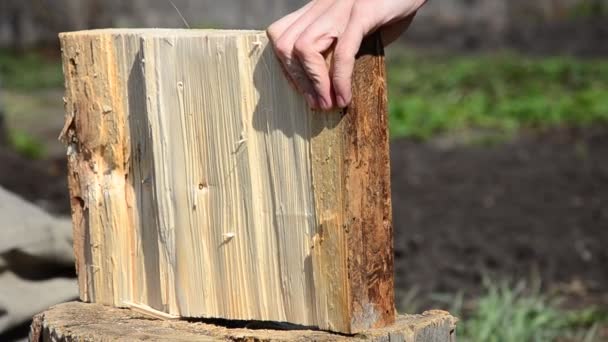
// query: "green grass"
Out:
[433,94]
[519,314]
[25,77]
[589,9]
[29,71]
[26,145]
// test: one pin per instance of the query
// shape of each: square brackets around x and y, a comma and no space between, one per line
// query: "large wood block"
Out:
[203,186]
[93,322]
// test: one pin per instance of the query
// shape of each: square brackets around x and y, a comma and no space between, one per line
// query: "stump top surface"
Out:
[77,321]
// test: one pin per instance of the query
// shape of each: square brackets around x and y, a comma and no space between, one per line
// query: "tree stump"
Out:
[76,321]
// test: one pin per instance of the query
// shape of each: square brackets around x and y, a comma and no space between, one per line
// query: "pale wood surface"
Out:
[203,186]
[78,321]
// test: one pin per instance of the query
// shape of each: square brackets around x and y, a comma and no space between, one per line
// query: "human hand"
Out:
[334,29]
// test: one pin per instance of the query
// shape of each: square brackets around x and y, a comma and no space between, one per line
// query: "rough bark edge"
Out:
[69,137]
[352,249]
[98,154]
[368,194]
[35,334]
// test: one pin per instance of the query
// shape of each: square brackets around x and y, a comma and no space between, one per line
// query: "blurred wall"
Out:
[29,22]
[452,23]
[570,26]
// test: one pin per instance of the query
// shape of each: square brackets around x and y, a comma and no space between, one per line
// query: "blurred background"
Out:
[499,151]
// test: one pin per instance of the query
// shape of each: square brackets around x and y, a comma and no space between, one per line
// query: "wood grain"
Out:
[203,186]
[367,188]
[93,322]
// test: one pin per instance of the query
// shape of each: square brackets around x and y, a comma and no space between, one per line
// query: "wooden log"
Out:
[77,321]
[203,186]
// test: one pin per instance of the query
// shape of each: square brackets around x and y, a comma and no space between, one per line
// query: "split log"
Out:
[93,322]
[203,186]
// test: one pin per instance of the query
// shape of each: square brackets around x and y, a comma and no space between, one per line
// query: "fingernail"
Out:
[312,102]
[324,104]
[341,102]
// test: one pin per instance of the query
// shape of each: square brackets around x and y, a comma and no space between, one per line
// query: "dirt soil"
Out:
[536,206]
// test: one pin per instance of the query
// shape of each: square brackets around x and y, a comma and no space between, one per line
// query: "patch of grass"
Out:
[26,145]
[29,71]
[518,314]
[433,94]
[589,9]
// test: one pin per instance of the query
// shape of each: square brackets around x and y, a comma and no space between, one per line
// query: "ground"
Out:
[534,207]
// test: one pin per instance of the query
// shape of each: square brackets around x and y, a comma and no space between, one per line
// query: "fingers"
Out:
[300,80]
[344,62]
[284,34]
[317,73]
[280,26]
[359,26]
[303,39]
[347,47]
[286,31]
[312,45]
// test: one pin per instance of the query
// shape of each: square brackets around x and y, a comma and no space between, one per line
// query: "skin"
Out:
[317,44]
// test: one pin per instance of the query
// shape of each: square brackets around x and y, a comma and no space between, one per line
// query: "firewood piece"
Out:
[203,186]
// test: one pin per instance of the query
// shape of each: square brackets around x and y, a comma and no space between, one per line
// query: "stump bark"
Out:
[76,321]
